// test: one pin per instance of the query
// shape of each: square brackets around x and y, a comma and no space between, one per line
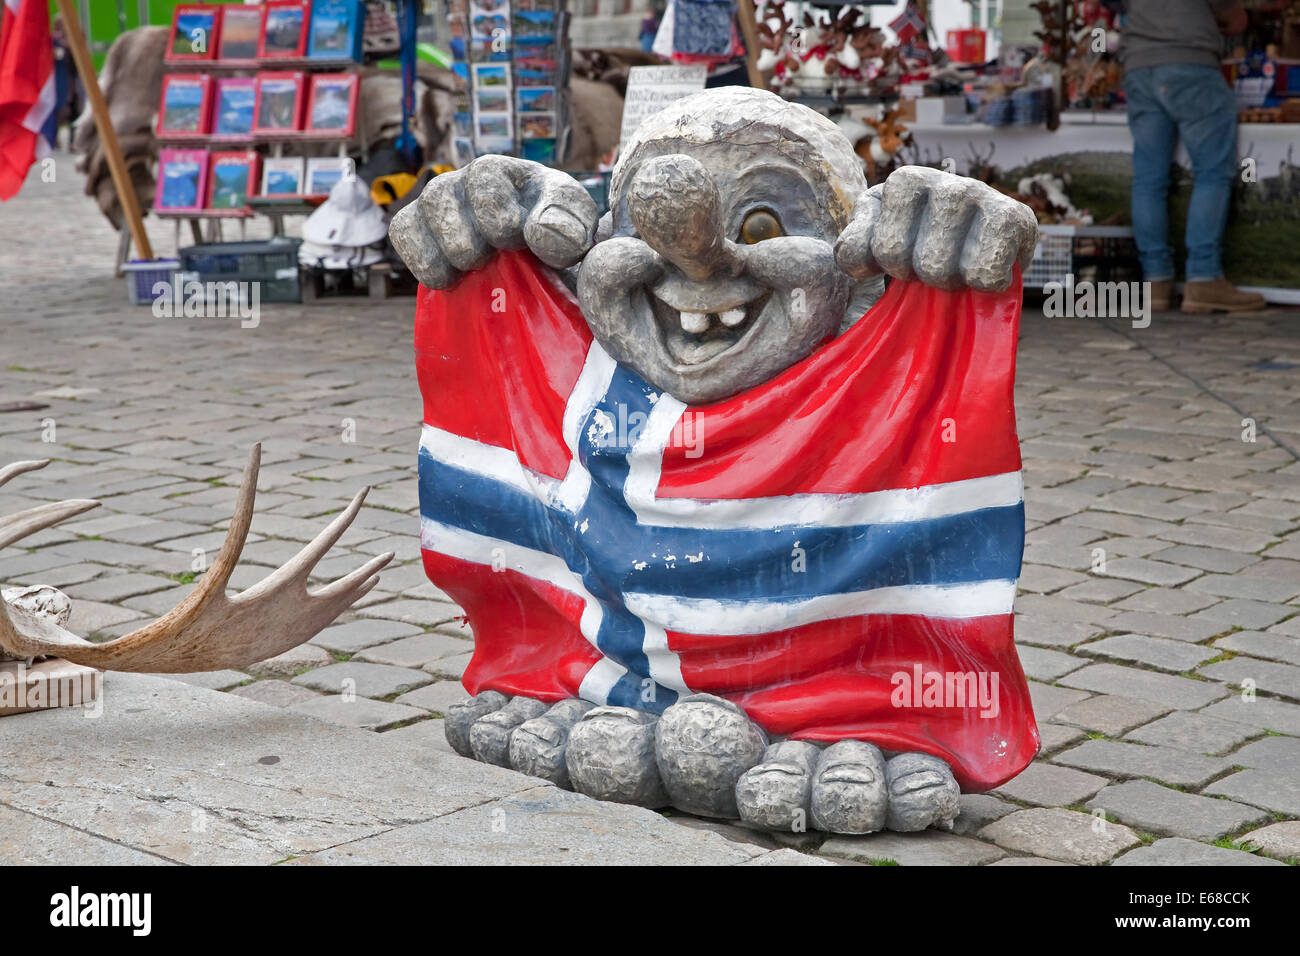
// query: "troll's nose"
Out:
[674,204]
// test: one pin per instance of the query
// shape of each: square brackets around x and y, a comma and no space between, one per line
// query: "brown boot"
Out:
[1161,295]
[1219,295]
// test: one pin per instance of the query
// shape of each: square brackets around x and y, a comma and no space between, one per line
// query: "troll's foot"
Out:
[704,756]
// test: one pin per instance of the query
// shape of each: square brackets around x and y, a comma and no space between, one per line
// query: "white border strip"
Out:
[892,506]
[737,618]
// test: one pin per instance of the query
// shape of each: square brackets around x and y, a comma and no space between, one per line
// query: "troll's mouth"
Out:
[693,338]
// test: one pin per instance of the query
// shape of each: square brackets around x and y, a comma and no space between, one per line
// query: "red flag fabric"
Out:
[27,97]
[835,550]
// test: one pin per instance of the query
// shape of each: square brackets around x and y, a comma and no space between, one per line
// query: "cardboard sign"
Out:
[651,88]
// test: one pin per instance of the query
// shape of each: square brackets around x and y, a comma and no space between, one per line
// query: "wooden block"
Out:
[45,685]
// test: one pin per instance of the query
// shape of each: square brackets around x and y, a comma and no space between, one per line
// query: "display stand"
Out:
[275,208]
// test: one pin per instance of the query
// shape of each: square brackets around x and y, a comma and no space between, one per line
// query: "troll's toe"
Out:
[702,745]
[922,793]
[460,717]
[489,737]
[611,756]
[537,746]
[848,791]
[776,794]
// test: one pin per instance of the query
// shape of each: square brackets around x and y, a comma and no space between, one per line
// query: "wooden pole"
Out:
[107,135]
[749,30]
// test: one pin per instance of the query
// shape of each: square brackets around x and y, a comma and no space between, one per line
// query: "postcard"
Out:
[492,100]
[279,102]
[536,125]
[182,175]
[232,178]
[535,99]
[494,127]
[533,23]
[185,105]
[195,33]
[323,172]
[336,31]
[233,113]
[332,107]
[282,176]
[241,28]
[284,29]
[491,74]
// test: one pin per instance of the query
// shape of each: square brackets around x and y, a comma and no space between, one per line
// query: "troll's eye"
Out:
[759,225]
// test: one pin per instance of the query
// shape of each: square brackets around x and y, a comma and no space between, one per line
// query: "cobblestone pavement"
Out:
[1159,613]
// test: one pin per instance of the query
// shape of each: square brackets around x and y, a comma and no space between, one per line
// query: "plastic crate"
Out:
[143,274]
[272,263]
[232,259]
[1108,251]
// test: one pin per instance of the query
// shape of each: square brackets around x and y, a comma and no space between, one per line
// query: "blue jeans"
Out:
[1194,102]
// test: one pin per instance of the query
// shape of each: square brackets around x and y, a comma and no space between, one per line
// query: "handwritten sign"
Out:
[651,88]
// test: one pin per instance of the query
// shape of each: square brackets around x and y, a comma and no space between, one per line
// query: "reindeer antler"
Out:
[208,630]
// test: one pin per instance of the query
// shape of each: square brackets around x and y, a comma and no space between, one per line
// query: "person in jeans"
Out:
[1171,53]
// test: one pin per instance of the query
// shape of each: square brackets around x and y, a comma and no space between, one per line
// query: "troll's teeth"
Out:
[695,322]
[732,317]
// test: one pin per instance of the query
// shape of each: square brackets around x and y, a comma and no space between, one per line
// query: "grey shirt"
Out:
[1172,31]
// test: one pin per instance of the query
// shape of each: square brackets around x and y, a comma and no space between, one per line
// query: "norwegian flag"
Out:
[806,548]
[27,97]
[918,52]
[908,23]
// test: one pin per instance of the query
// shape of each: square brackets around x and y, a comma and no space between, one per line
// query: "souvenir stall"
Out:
[280,75]
[1045,122]
[512,58]
[260,115]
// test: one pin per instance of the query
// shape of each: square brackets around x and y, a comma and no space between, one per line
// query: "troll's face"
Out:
[719,269]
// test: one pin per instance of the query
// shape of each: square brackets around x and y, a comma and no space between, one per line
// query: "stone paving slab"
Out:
[29,839]
[1278,840]
[1151,807]
[415,651]
[1268,676]
[977,810]
[355,635]
[1158,652]
[368,680]
[1275,790]
[1194,731]
[1117,759]
[175,773]
[1176,851]
[1047,785]
[436,697]
[1264,713]
[1180,693]
[1110,714]
[360,712]
[1276,647]
[538,826]
[1058,834]
[929,848]
[1129,460]
[1279,754]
